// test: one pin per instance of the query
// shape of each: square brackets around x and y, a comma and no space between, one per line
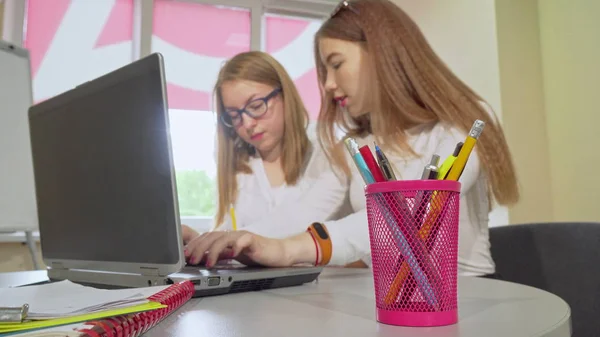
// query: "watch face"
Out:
[320,231]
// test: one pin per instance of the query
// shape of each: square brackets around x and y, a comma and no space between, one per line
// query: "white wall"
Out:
[570,46]
[1,17]
[524,116]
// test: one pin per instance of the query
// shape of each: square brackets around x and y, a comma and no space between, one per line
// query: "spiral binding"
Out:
[136,324]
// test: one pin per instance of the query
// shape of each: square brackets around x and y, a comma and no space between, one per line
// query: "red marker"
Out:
[372,163]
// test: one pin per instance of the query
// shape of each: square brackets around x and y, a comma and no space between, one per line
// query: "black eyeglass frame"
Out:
[265,100]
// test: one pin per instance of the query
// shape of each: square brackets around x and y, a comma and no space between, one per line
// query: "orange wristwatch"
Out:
[321,236]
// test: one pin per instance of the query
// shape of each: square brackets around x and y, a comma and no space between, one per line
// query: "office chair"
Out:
[561,258]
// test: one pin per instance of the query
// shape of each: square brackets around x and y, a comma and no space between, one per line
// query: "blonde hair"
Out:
[410,86]
[232,152]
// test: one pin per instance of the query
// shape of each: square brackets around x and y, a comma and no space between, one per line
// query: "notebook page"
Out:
[66,298]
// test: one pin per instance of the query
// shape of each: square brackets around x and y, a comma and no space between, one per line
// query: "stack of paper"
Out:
[65,299]
[66,302]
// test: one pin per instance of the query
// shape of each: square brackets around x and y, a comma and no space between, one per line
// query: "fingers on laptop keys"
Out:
[188,234]
[211,247]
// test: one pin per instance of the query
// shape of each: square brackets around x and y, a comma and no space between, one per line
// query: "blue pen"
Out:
[352,147]
[388,172]
[398,236]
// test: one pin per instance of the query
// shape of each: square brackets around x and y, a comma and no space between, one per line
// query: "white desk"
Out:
[342,304]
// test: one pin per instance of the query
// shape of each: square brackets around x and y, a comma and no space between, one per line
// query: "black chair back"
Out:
[561,258]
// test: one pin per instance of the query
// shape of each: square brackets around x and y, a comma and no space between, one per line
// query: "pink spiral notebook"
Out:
[126,325]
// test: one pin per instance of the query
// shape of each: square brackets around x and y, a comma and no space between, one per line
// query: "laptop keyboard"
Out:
[222,268]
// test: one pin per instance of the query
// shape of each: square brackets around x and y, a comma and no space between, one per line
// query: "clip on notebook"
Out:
[14,315]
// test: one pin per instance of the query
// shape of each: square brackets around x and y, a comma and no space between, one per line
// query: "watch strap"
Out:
[321,236]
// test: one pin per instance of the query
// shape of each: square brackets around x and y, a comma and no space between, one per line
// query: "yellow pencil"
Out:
[447,165]
[233,223]
[462,158]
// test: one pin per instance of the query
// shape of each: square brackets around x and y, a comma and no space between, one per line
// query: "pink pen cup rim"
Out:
[413,185]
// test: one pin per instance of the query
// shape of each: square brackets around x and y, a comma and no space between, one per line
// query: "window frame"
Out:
[15,10]
[14,27]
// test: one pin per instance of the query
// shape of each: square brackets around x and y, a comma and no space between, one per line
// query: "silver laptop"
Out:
[106,192]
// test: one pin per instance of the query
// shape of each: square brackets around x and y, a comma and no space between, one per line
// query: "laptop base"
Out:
[106,280]
[226,279]
[237,278]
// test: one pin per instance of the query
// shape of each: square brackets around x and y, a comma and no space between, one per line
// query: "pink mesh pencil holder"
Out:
[413,232]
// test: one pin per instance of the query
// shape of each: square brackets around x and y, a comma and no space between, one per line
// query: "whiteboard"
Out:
[18,211]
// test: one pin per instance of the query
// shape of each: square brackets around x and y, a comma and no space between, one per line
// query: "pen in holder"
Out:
[414,263]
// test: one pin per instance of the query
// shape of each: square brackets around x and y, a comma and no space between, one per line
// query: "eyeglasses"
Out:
[255,109]
[343,5]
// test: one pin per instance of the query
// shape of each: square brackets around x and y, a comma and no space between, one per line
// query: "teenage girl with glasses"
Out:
[266,162]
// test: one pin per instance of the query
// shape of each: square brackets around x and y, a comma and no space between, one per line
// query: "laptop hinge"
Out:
[57,266]
[149,271]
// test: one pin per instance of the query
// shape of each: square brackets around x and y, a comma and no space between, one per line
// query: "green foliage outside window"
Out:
[197,193]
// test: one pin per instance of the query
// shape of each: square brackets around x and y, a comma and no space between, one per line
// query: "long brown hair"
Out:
[411,86]
[232,152]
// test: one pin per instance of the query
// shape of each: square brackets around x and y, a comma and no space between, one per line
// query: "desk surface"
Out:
[341,303]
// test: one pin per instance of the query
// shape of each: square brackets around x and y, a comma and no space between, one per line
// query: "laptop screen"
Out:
[103,171]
